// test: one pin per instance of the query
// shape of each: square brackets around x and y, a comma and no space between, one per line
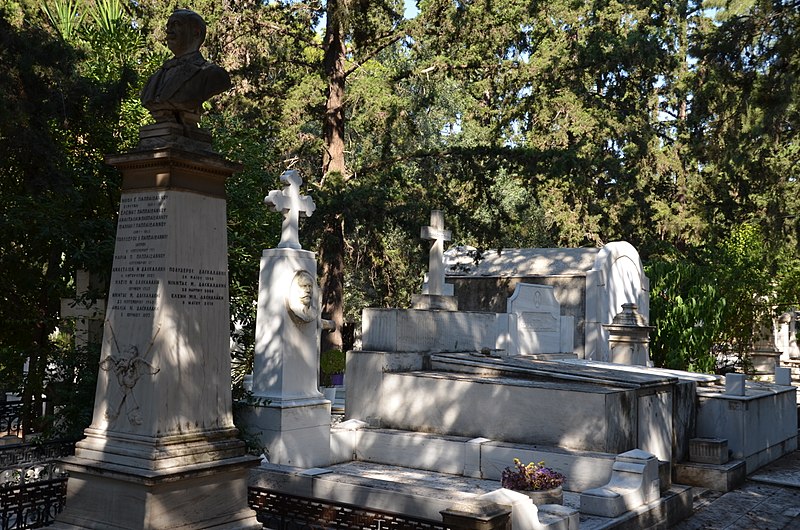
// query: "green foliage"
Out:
[64,98]
[563,123]
[688,312]
[71,385]
[716,302]
[331,362]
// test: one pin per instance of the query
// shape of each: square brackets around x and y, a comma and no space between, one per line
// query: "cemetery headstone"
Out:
[786,336]
[437,294]
[535,323]
[289,414]
[764,356]
[162,450]
[591,285]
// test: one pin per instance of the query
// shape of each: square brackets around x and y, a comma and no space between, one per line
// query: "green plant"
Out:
[241,408]
[331,362]
[533,477]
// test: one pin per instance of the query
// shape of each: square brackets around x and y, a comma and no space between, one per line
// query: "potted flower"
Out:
[540,483]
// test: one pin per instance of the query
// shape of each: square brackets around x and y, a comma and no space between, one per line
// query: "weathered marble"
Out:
[288,413]
[162,436]
[634,482]
[760,425]
[590,283]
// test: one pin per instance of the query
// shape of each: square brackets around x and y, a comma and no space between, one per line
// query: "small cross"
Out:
[438,235]
[83,311]
[292,205]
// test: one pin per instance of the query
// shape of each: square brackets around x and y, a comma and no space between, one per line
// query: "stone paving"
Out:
[769,500]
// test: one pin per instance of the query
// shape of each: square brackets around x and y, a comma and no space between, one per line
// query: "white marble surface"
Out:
[292,206]
[286,360]
[613,276]
[760,425]
[163,392]
[634,482]
[438,236]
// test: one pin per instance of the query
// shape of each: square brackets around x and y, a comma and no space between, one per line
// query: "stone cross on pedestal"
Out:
[438,295]
[88,316]
[292,205]
[290,415]
[436,233]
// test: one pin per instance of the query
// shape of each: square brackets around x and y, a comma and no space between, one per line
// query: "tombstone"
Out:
[162,450]
[535,324]
[764,356]
[436,293]
[290,416]
[88,315]
[162,431]
[591,285]
[786,336]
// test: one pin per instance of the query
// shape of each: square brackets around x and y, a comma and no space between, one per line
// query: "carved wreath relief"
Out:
[128,369]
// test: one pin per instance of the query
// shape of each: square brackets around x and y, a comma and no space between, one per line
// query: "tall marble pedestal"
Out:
[292,417]
[162,450]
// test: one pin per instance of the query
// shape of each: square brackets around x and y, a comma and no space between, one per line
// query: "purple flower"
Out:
[533,477]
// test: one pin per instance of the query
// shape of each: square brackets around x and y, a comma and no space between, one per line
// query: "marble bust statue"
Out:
[176,92]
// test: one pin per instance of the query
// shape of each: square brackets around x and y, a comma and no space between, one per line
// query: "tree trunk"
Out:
[332,257]
[333,62]
[332,247]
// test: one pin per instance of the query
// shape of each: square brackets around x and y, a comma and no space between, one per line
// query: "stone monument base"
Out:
[434,301]
[211,495]
[295,433]
[162,453]
[162,135]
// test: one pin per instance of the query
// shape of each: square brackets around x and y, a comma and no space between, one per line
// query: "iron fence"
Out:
[280,511]
[30,453]
[11,418]
[32,495]
[33,486]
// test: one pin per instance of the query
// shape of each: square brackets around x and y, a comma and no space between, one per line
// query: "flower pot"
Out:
[551,496]
[337,379]
[329,393]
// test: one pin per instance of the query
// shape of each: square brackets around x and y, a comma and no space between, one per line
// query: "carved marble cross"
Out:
[438,235]
[292,205]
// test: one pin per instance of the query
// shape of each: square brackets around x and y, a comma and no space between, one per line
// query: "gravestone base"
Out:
[760,424]
[294,433]
[160,453]
[434,301]
[764,361]
[109,496]
[718,477]
[162,135]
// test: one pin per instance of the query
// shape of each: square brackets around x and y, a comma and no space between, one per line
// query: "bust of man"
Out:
[301,300]
[176,92]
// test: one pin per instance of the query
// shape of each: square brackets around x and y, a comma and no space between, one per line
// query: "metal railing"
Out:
[30,453]
[33,485]
[10,418]
[280,511]
[32,495]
